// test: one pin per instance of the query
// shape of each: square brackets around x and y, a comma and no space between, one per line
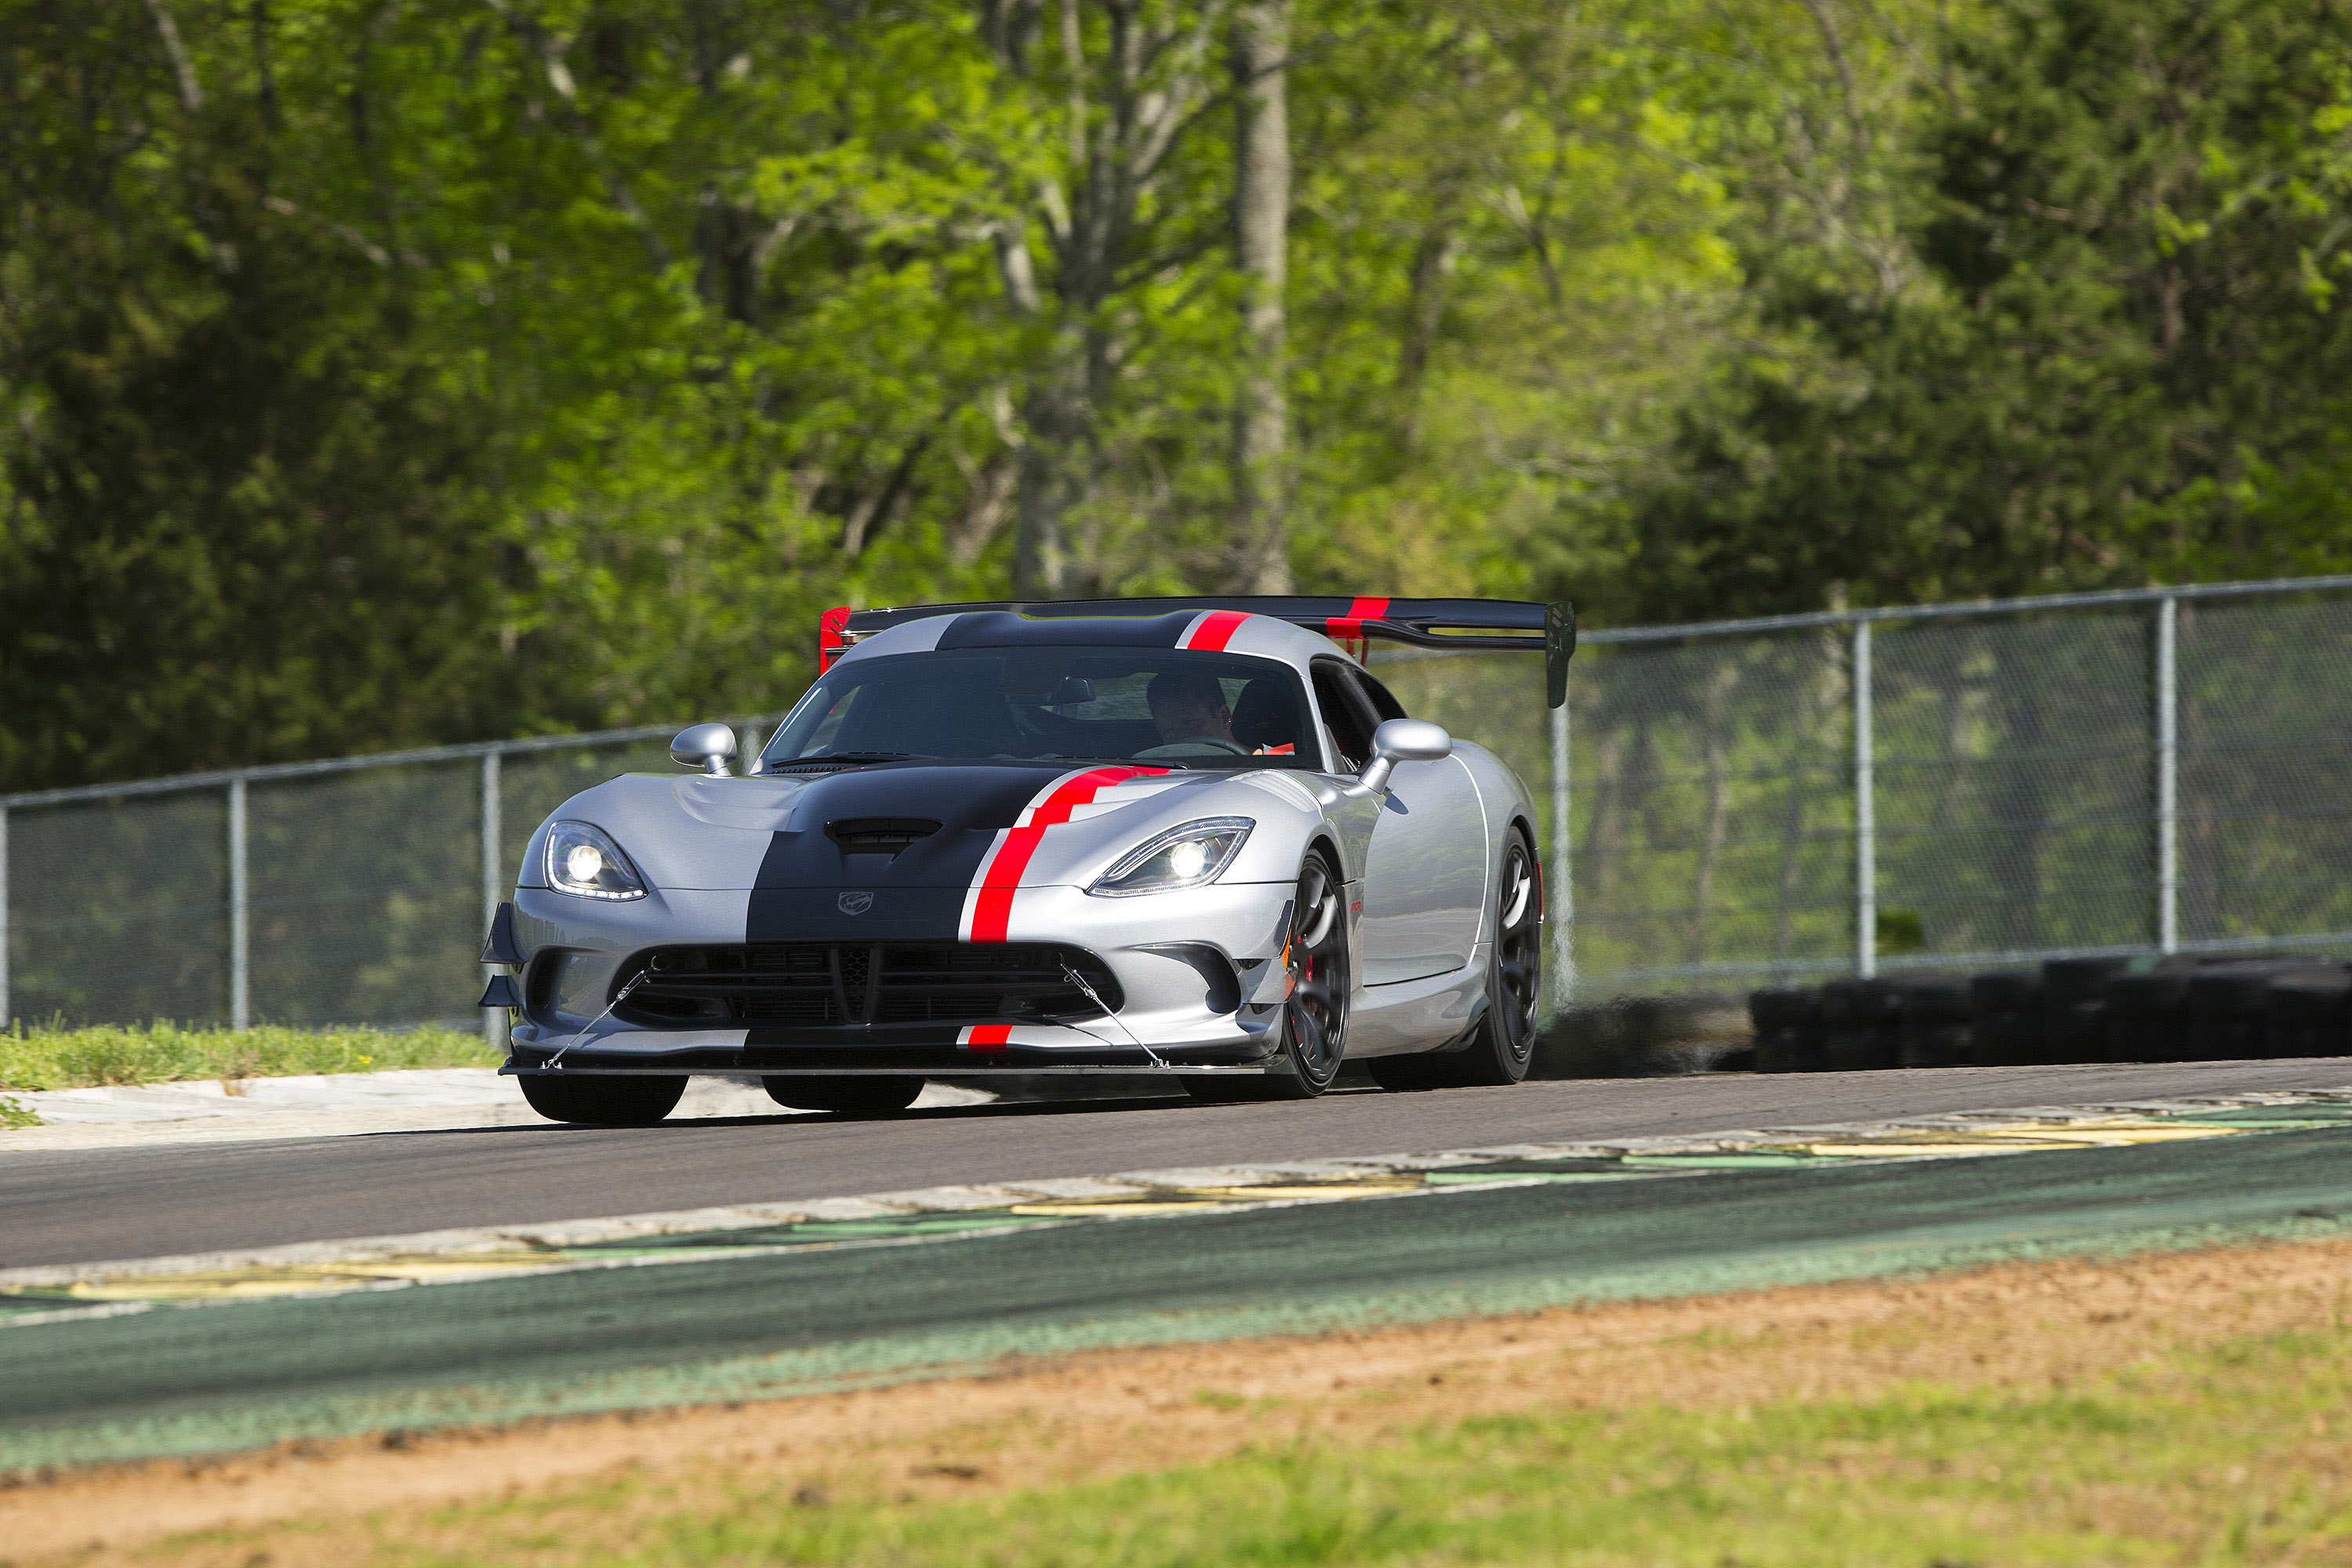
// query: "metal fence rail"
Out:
[349,891]
[1962,785]
[1847,792]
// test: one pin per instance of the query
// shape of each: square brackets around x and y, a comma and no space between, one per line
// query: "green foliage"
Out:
[2116,355]
[376,375]
[49,1058]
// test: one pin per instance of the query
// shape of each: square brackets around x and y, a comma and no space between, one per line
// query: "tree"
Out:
[2114,366]
[1261,65]
[242,517]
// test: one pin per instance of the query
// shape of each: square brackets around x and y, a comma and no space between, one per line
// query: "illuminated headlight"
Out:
[584,860]
[1191,856]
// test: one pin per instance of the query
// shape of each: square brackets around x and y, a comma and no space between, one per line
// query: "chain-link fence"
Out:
[1955,785]
[1941,786]
[353,892]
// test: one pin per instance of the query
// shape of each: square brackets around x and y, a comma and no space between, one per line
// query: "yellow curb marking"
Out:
[1298,1194]
[1080,1210]
[294,1279]
[1899,1150]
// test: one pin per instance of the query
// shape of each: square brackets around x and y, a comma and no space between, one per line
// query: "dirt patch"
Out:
[2032,1326]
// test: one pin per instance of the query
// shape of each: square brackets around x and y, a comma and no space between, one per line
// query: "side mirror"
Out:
[710,747]
[1403,741]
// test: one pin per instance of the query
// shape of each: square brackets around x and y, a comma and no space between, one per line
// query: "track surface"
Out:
[240,1375]
[103,1204]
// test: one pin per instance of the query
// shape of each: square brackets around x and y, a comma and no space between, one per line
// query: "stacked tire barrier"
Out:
[2070,1010]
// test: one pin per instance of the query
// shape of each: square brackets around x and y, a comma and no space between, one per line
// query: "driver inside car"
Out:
[1189,707]
[1190,711]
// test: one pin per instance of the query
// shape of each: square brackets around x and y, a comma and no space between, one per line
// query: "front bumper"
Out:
[1198,974]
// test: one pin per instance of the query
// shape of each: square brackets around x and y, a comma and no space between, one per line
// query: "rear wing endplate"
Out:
[1509,624]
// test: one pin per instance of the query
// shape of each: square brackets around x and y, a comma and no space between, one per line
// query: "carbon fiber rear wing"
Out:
[1512,625]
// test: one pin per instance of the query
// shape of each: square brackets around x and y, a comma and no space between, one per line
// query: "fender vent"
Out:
[879,834]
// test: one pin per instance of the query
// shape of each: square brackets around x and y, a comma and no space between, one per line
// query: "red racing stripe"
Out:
[993,911]
[1215,630]
[1350,628]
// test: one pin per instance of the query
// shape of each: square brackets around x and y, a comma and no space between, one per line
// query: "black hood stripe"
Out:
[803,891]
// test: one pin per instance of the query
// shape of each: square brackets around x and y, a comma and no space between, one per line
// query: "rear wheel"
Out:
[1315,1014]
[1504,1045]
[844,1095]
[611,1102]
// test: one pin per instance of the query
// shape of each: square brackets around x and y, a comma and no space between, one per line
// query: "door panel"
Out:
[1425,876]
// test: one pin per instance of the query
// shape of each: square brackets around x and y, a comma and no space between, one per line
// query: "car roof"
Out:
[1213,631]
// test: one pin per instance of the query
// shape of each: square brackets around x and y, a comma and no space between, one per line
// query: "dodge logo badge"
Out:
[855,903]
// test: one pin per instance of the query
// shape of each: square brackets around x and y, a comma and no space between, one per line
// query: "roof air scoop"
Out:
[879,834]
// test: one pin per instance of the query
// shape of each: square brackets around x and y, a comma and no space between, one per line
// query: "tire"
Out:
[608,1102]
[1504,1044]
[844,1095]
[1314,1016]
[1788,1023]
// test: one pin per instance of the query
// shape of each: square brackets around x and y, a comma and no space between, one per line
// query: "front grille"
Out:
[811,983]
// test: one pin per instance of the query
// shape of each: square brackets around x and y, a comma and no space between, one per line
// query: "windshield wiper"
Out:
[841,760]
[1137,762]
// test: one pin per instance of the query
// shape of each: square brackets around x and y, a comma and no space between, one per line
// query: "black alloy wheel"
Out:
[1315,1015]
[1504,1045]
[877,1096]
[635,1101]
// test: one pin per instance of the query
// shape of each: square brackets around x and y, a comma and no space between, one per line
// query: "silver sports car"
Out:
[1192,838]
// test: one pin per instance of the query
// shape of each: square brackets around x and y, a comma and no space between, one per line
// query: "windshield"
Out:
[1170,708]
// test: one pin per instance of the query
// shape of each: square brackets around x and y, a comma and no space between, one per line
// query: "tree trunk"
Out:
[1124,110]
[1261,48]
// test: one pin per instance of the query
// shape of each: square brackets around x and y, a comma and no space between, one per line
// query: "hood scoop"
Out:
[879,834]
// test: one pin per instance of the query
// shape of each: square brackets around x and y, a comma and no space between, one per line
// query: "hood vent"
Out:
[879,834]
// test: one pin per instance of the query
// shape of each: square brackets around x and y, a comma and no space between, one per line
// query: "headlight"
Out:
[584,860]
[1189,857]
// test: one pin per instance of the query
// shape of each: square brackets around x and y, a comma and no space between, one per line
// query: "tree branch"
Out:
[192,92]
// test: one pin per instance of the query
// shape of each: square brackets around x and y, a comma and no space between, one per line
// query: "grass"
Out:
[2235,1453]
[162,1053]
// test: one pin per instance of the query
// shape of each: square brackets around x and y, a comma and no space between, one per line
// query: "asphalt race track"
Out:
[103,1204]
[696,1326]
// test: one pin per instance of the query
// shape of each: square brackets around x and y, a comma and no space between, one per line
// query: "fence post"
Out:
[240,931]
[1563,885]
[7,1018]
[2168,775]
[1866,814]
[494,1019]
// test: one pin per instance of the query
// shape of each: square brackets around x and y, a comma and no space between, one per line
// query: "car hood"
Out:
[771,833]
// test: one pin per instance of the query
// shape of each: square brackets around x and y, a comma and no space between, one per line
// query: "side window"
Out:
[1346,715]
[1383,704]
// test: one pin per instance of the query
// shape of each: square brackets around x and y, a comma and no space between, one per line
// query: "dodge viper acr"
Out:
[1193,838]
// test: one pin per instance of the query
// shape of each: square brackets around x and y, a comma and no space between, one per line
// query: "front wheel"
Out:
[1314,1024]
[878,1096]
[638,1100]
